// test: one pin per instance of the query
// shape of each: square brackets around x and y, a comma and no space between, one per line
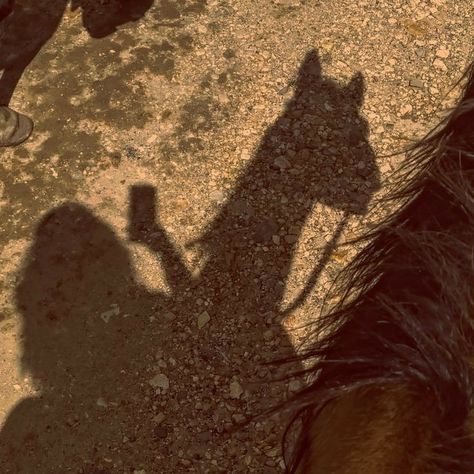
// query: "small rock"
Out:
[160,381]
[217,196]
[291,239]
[276,239]
[106,315]
[439,64]
[415,82]
[245,154]
[235,390]
[268,335]
[265,230]
[385,168]
[101,403]
[281,162]
[169,316]
[203,319]
[240,208]
[420,52]
[158,419]
[238,418]
[205,436]
[131,152]
[406,109]
[442,53]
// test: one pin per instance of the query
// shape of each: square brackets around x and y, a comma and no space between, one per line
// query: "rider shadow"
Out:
[87,345]
[33,23]
[93,338]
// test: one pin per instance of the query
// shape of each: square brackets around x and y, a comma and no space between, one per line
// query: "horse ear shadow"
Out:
[311,65]
[356,88]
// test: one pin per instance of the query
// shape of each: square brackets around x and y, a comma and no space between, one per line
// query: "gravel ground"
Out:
[173,221]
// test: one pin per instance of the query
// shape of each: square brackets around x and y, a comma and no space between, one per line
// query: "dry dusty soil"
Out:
[174,218]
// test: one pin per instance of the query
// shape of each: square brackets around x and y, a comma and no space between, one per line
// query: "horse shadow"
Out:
[33,23]
[134,380]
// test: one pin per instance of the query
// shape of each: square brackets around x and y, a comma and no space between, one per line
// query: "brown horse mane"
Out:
[405,317]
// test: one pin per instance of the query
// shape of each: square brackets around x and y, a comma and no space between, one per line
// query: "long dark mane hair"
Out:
[405,317]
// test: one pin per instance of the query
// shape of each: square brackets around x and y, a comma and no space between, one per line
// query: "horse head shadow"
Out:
[316,151]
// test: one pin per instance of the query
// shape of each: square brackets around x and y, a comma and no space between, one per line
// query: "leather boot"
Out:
[15,128]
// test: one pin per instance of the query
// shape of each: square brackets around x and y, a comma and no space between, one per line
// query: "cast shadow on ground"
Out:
[93,337]
[33,22]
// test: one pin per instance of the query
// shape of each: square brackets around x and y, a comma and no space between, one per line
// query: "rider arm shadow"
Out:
[145,228]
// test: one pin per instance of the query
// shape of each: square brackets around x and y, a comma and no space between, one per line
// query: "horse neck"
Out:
[370,431]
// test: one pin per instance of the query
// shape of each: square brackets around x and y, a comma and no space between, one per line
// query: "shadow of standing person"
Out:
[33,22]
[86,345]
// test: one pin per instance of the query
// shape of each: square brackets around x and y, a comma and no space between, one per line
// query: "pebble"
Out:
[281,162]
[245,154]
[235,390]
[439,64]
[420,52]
[160,381]
[106,315]
[442,53]
[101,403]
[170,316]
[158,419]
[268,335]
[265,230]
[406,109]
[217,196]
[238,417]
[203,319]
[291,239]
[415,82]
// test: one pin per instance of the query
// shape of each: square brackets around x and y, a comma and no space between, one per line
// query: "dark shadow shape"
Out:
[145,228]
[101,19]
[32,23]
[77,286]
[87,345]
[317,151]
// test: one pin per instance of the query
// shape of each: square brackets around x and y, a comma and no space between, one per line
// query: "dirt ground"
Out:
[174,218]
